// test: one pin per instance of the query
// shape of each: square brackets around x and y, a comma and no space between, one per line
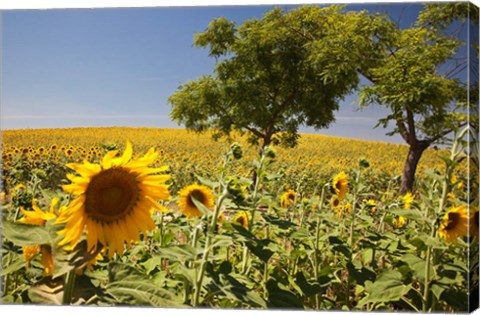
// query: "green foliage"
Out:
[277,73]
[25,234]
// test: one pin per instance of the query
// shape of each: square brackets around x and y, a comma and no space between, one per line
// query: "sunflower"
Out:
[407,200]
[454,224]
[113,200]
[340,184]
[242,219]
[288,198]
[371,205]
[201,193]
[39,217]
[453,179]
[451,196]
[348,208]
[399,221]
[339,209]
[18,187]
[335,202]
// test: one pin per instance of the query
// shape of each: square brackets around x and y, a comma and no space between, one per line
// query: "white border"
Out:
[68,4]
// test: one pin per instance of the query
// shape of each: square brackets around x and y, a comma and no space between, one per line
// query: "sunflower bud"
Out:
[363,163]
[269,152]
[236,190]
[236,150]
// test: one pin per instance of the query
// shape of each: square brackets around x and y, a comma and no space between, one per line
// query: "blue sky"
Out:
[118,66]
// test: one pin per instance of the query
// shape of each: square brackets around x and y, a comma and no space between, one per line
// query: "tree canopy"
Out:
[422,81]
[274,74]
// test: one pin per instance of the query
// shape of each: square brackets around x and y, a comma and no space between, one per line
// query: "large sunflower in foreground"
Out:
[454,223]
[340,184]
[39,217]
[474,222]
[201,193]
[113,200]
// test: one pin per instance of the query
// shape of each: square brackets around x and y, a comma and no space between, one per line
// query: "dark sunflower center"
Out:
[452,222]
[336,202]
[241,220]
[291,197]
[111,195]
[338,185]
[197,194]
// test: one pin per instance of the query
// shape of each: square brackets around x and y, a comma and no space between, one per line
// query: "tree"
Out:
[420,81]
[274,74]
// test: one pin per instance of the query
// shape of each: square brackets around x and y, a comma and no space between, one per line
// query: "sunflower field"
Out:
[173,219]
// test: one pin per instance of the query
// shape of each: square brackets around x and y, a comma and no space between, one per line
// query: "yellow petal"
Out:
[107,159]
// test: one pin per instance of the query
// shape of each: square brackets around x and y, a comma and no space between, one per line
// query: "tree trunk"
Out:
[408,176]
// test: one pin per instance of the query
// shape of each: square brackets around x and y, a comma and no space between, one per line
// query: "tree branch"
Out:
[445,132]
[401,127]
[255,132]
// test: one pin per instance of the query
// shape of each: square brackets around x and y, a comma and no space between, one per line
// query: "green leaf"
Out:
[167,238]
[411,214]
[419,243]
[141,292]
[129,286]
[416,264]
[360,274]
[260,250]
[282,224]
[367,255]
[300,234]
[456,298]
[207,182]
[184,273]
[151,264]
[279,298]
[26,234]
[14,265]
[237,291]
[307,289]
[438,288]
[387,288]
[340,246]
[201,207]
[179,253]
[46,293]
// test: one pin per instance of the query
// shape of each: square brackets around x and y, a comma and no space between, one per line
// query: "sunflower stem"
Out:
[316,245]
[68,288]
[445,189]
[426,287]
[254,203]
[352,232]
[206,250]
[353,212]
[161,230]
